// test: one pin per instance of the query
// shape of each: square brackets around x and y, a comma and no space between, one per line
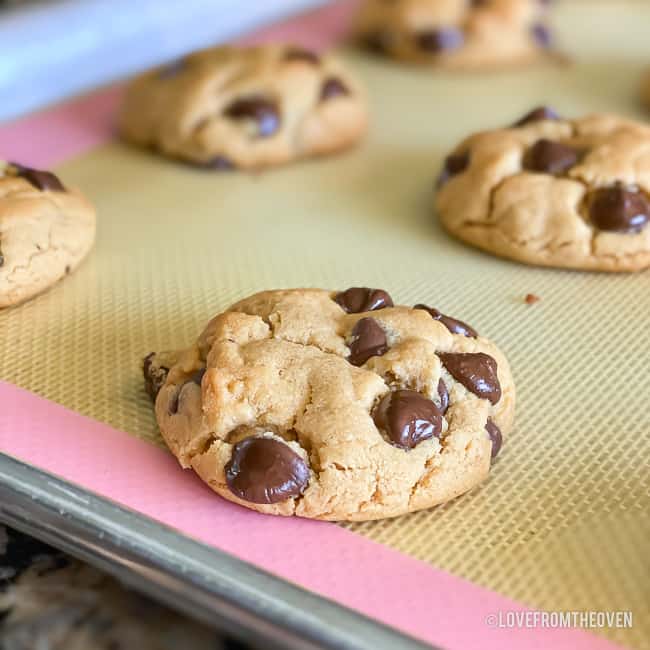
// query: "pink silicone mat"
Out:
[433,605]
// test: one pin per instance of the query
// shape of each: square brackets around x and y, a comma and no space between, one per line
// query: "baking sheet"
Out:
[563,521]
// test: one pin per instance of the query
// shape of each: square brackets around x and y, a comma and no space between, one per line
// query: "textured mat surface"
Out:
[563,521]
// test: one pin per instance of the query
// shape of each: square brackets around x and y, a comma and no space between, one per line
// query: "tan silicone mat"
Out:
[563,522]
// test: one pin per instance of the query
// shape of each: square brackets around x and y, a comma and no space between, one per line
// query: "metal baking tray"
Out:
[191,577]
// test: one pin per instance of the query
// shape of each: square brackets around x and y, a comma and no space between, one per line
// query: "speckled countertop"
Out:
[50,601]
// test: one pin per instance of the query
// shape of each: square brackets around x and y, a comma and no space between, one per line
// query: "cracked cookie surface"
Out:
[46,230]
[291,404]
[553,192]
[458,34]
[248,108]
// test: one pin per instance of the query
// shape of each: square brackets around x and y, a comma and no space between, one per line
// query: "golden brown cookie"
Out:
[333,405]
[553,192]
[46,230]
[457,34]
[247,108]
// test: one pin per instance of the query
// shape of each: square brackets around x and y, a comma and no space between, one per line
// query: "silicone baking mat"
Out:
[563,521]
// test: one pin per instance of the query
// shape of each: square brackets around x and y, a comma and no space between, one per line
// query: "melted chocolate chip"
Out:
[154,376]
[407,418]
[172,69]
[476,371]
[618,209]
[537,115]
[41,180]
[440,40]
[453,325]
[443,394]
[264,112]
[495,436]
[333,87]
[454,164]
[550,157]
[368,340]
[220,163]
[300,54]
[265,470]
[356,300]
[378,42]
[172,407]
[197,377]
[542,35]
[2,258]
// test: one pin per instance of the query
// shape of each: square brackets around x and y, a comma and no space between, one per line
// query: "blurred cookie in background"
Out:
[46,230]
[457,34]
[246,108]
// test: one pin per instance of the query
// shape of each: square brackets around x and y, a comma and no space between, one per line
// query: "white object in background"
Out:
[52,50]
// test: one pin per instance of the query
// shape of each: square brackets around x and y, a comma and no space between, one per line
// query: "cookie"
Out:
[645,90]
[46,230]
[247,108]
[551,191]
[334,405]
[457,34]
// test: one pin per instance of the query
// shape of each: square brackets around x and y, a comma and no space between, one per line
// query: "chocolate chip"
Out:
[300,54]
[454,164]
[333,87]
[172,69]
[407,418]
[618,209]
[197,377]
[265,470]
[356,300]
[476,371]
[154,376]
[368,340]
[537,115]
[2,258]
[379,42]
[453,325]
[220,163]
[495,436]
[172,407]
[542,34]
[440,40]
[443,394]
[264,112]
[550,157]
[41,180]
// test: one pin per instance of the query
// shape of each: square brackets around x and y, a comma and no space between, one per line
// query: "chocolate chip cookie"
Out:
[459,34]
[553,192]
[334,405]
[226,107]
[46,230]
